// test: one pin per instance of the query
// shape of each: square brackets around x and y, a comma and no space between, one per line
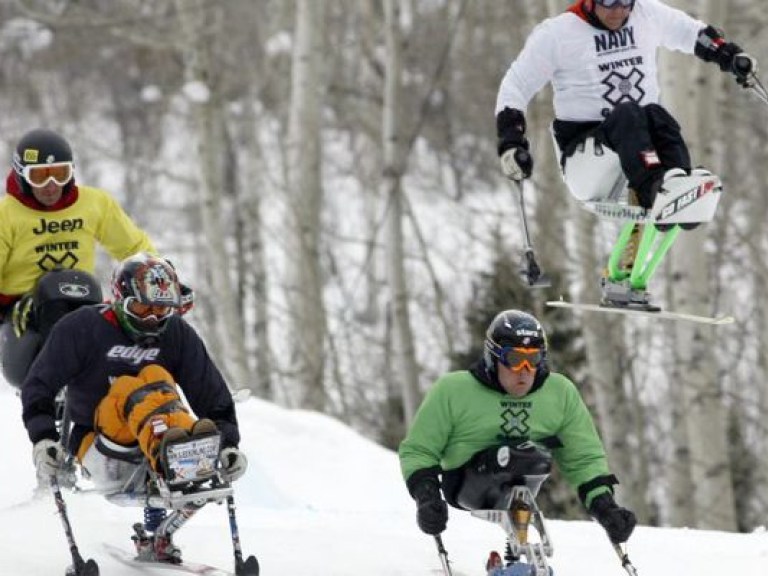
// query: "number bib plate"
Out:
[192,460]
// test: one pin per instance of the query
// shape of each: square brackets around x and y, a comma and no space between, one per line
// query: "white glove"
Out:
[234,463]
[516,164]
[48,456]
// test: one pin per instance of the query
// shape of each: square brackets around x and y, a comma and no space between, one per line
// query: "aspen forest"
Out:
[324,173]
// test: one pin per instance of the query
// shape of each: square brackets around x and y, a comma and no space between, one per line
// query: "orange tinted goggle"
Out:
[517,358]
[40,174]
[142,311]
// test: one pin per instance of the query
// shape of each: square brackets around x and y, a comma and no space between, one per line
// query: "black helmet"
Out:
[147,293]
[39,147]
[512,329]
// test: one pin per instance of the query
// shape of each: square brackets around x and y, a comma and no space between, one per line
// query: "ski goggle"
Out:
[615,3]
[142,311]
[39,175]
[517,358]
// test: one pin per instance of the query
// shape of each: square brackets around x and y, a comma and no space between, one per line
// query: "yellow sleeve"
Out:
[118,234]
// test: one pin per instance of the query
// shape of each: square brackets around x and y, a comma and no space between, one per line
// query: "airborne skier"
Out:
[122,364]
[610,130]
[507,400]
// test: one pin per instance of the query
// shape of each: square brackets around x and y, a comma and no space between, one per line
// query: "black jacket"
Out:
[87,350]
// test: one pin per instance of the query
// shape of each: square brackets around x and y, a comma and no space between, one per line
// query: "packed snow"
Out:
[322,500]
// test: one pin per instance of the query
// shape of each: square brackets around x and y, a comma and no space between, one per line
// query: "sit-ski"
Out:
[191,479]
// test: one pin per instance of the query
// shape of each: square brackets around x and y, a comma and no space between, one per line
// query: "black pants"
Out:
[631,130]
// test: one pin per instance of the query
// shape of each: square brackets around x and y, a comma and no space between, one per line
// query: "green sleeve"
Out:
[429,432]
[581,459]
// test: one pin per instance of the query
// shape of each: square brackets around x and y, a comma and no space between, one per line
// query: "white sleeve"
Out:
[530,72]
[679,31]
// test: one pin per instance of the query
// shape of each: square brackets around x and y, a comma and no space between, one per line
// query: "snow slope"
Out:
[321,500]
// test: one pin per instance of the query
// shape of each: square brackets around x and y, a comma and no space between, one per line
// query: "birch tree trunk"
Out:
[255,259]
[200,25]
[609,367]
[692,94]
[405,369]
[305,292]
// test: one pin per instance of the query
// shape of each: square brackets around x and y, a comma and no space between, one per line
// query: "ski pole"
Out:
[531,272]
[759,89]
[79,566]
[443,556]
[621,552]
[250,566]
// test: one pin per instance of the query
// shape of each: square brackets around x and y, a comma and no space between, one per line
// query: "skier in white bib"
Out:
[613,136]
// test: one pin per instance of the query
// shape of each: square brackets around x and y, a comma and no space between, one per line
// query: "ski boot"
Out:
[176,468]
[153,548]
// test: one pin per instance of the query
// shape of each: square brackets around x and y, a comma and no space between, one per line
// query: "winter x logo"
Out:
[623,88]
[49,262]
[515,422]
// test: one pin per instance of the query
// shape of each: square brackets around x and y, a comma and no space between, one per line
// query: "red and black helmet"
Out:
[147,293]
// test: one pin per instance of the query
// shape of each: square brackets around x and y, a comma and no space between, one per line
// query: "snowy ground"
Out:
[321,500]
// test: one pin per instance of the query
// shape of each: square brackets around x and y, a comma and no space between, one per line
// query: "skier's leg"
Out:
[143,409]
[667,138]
[626,131]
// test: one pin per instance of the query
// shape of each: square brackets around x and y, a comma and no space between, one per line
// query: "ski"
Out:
[659,314]
[250,567]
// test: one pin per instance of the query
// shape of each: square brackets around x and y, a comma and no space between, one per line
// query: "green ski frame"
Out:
[649,254]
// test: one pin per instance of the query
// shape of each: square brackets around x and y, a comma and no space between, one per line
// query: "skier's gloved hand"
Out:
[432,511]
[744,67]
[617,521]
[516,164]
[48,456]
[513,146]
[22,314]
[234,463]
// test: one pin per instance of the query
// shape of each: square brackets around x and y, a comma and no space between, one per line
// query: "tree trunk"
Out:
[693,96]
[405,368]
[305,292]
[198,23]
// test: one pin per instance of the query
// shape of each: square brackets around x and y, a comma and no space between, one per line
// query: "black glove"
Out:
[617,521]
[432,513]
[744,67]
[22,316]
[712,47]
[513,146]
